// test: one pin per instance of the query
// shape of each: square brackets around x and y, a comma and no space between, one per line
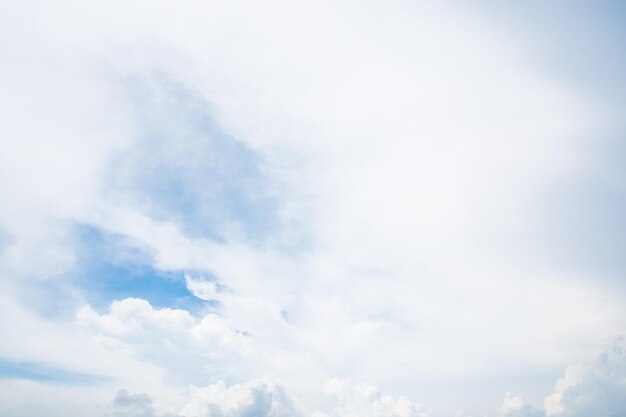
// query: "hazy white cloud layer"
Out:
[320,209]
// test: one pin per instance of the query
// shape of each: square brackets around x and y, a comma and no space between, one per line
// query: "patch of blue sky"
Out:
[44,373]
[109,269]
[186,169]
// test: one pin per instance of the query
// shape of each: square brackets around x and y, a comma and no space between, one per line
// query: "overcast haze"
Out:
[312,209]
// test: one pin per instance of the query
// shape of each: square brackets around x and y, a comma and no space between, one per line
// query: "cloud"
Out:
[187,347]
[516,407]
[361,400]
[204,290]
[124,399]
[369,180]
[597,389]
[27,398]
[256,398]
[126,404]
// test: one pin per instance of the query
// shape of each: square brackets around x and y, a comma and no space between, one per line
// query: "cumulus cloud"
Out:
[597,389]
[515,406]
[126,404]
[203,289]
[186,346]
[256,398]
[267,397]
[594,389]
[362,400]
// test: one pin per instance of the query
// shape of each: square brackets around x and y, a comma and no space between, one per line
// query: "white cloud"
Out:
[258,398]
[417,143]
[597,389]
[516,407]
[361,400]
[63,122]
[205,290]
[126,404]
[24,398]
[189,349]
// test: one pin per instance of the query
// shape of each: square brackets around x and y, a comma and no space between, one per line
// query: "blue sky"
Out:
[353,209]
[208,180]
[107,270]
[43,373]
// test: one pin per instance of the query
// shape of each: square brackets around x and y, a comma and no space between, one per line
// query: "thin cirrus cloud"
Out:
[343,209]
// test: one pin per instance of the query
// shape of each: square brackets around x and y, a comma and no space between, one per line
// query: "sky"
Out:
[312,209]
